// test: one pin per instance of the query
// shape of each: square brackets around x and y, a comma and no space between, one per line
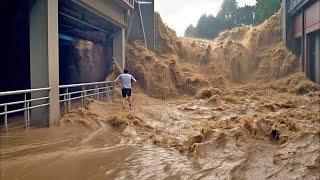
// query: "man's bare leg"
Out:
[129,101]
[123,101]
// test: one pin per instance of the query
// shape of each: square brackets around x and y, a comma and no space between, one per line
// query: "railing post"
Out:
[82,96]
[95,91]
[65,101]
[25,111]
[69,101]
[5,119]
[98,91]
[105,92]
[113,91]
[85,96]
[28,113]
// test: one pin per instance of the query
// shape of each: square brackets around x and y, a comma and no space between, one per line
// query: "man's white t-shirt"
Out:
[125,80]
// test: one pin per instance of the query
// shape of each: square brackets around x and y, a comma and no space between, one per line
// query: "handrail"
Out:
[84,84]
[27,104]
[87,90]
[7,93]
[69,94]
[99,91]
[23,109]
[20,102]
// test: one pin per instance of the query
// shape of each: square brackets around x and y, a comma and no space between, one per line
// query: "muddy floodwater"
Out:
[235,108]
[240,135]
[77,151]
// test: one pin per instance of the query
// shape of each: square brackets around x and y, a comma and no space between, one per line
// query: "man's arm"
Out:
[117,78]
[133,79]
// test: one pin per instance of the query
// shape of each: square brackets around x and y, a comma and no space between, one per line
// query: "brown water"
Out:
[160,140]
[76,151]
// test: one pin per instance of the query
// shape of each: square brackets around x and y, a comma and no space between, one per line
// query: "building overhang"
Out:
[79,22]
[298,6]
[107,9]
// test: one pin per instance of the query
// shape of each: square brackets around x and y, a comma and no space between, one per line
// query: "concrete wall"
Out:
[135,31]
[44,59]
[119,47]
[317,60]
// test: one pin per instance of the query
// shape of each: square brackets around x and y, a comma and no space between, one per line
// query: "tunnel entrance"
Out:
[15,67]
[85,44]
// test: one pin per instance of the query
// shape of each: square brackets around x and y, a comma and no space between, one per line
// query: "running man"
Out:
[126,80]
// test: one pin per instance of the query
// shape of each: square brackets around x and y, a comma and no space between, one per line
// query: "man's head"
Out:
[125,71]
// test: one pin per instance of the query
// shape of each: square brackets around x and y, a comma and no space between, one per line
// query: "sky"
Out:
[179,14]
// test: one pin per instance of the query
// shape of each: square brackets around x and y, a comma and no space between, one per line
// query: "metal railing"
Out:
[27,104]
[97,90]
[68,93]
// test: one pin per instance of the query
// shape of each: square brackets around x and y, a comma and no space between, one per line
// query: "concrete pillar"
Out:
[119,47]
[317,56]
[44,59]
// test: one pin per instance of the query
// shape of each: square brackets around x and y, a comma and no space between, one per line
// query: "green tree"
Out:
[266,8]
[190,31]
[229,16]
[228,13]
[246,16]
[202,26]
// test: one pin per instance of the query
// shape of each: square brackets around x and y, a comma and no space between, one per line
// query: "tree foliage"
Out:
[266,8]
[230,15]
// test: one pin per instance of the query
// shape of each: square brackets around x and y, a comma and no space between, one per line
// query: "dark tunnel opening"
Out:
[15,66]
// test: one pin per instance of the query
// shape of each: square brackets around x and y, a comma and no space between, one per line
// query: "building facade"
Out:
[301,33]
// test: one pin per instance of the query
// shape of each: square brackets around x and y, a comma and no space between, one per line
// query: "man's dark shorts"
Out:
[126,92]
